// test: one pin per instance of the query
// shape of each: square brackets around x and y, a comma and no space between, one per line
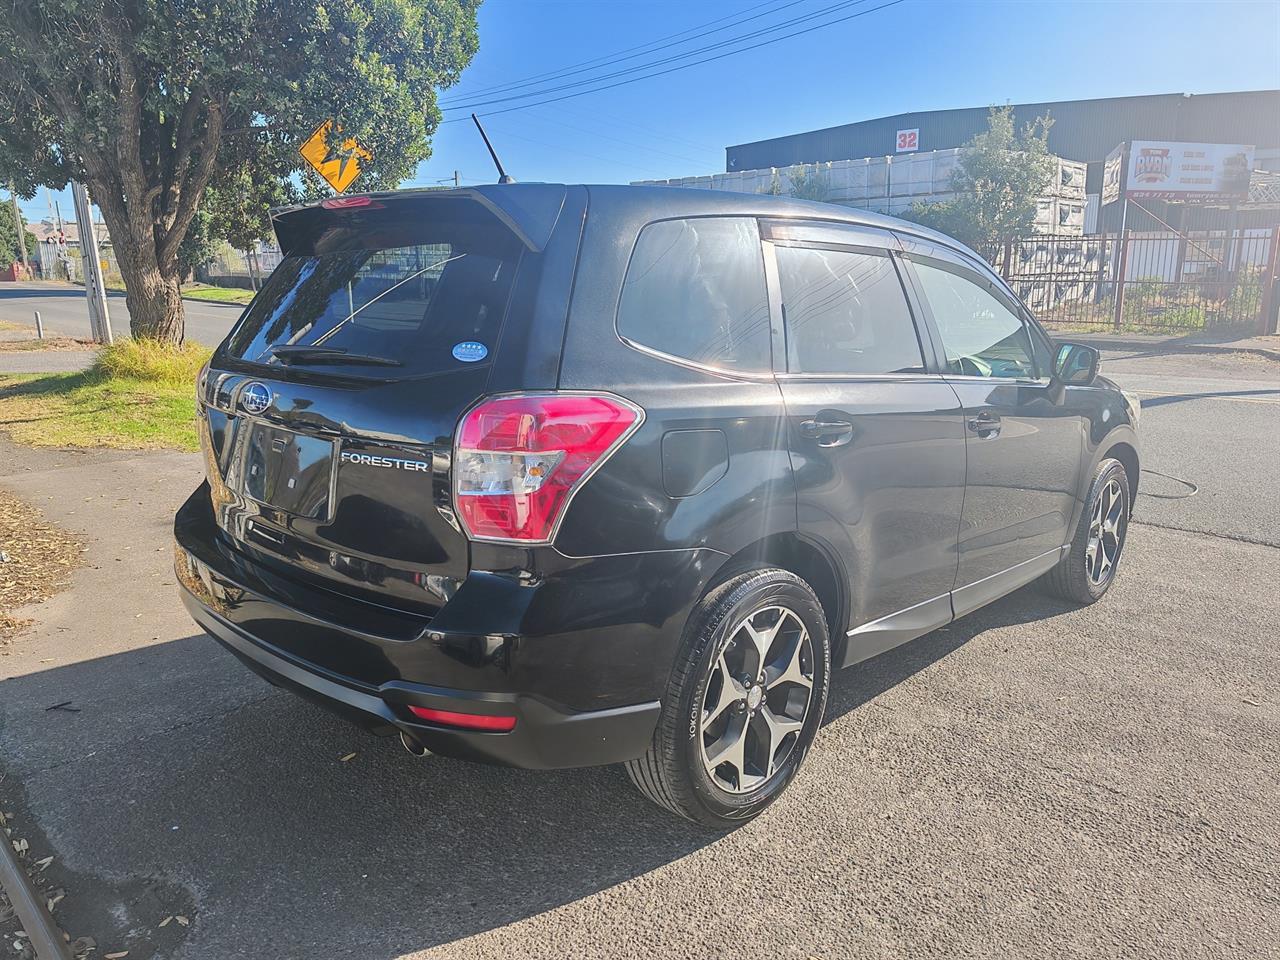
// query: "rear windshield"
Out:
[427,296]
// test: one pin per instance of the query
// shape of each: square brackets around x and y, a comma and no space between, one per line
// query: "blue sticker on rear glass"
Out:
[469,351]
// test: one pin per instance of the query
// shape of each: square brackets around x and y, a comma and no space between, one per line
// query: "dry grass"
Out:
[37,563]
[48,343]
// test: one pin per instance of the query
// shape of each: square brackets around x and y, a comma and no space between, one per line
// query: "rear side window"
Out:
[845,313]
[695,289]
[408,302]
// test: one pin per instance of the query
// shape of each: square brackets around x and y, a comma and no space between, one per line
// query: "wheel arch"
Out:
[807,559]
[1127,454]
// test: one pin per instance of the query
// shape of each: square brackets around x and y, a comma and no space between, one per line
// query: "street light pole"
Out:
[95,289]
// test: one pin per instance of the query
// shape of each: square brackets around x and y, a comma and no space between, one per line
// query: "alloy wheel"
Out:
[757,699]
[1105,533]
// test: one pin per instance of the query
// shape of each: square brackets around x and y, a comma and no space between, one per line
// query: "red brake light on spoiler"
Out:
[345,203]
[518,461]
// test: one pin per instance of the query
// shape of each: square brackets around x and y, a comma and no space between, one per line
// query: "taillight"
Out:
[517,461]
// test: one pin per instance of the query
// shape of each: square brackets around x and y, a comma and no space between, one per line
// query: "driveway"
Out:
[1034,780]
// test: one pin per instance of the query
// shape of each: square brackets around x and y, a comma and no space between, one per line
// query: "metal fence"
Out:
[1165,282]
[239,268]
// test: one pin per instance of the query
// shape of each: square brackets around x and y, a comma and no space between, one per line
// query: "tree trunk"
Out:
[155,304]
[152,291]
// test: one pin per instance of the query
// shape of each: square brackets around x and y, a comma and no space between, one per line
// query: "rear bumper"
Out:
[544,737]
[302,642]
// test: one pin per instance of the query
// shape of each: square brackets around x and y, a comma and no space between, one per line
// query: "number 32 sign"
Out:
[908,140]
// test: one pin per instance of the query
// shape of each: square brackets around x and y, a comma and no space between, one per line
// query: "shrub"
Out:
[152,361]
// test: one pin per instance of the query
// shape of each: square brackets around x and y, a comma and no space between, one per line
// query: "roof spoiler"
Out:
[530,211]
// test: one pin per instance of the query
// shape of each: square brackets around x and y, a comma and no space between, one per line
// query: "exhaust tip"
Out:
[413,746]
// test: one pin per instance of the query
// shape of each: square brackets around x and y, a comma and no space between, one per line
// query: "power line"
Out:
[630,126]
[471,104]
[685,66]
[628,143]
[507,132]
[617,56]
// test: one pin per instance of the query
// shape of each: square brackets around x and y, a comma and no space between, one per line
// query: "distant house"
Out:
[58,251]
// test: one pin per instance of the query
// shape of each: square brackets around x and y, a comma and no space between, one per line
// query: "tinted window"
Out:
[980,335]
[695,289]
[845,313]
[408,302]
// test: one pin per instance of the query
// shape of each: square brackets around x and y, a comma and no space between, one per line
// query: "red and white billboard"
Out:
[908,141]
[1163,170]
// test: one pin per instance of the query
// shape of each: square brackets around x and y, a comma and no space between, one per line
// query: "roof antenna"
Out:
[502,174]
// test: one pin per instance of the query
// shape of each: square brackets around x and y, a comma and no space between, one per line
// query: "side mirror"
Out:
[1075,364]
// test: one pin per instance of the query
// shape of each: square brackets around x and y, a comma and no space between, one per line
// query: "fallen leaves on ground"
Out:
[39,558]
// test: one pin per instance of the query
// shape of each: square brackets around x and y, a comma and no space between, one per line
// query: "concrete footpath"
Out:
[1137,345]
[53,360]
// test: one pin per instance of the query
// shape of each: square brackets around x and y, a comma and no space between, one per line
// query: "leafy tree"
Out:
[10,252]
[235,211]
[1001,175]
[199,246]
[239,206]
[149,102]
[806,184]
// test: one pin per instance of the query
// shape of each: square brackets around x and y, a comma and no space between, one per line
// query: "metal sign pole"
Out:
[1117,313]
[94,284]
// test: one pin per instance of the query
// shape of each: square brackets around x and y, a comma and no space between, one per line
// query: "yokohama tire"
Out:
[1086,573]
[675,773]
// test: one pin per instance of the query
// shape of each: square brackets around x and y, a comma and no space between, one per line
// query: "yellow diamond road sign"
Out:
[338,165]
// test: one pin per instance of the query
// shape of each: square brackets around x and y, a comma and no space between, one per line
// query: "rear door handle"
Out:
[986,425]
[828,433]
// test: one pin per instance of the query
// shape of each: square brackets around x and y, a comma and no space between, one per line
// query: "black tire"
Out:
[1073,578]
[672,773]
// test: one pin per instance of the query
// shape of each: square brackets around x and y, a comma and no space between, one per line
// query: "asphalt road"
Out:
[1033,781]
[63,310]
[1215,421]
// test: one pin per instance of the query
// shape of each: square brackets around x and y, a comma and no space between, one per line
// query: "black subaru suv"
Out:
[553,476]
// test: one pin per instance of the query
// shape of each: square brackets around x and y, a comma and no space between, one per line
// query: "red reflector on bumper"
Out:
[467,721]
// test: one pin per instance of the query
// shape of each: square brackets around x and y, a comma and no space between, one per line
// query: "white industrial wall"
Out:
[892,184]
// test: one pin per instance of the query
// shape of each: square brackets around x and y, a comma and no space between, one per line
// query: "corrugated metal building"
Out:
[1082,130]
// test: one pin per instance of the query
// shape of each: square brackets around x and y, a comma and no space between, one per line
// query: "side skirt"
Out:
[975,595]
[874,638]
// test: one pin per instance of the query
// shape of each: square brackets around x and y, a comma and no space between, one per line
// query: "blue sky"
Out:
[915,55]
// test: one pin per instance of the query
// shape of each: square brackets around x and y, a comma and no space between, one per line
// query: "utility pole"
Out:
[95,290]
[456,183]
[17,221]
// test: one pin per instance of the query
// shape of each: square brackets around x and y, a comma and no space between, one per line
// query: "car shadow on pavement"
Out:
[1167,399]
[295,833]
[855,686]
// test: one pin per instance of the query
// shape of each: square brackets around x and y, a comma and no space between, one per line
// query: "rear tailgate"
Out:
[328,413]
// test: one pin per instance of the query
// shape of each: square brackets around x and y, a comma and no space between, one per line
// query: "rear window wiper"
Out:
[305,354]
